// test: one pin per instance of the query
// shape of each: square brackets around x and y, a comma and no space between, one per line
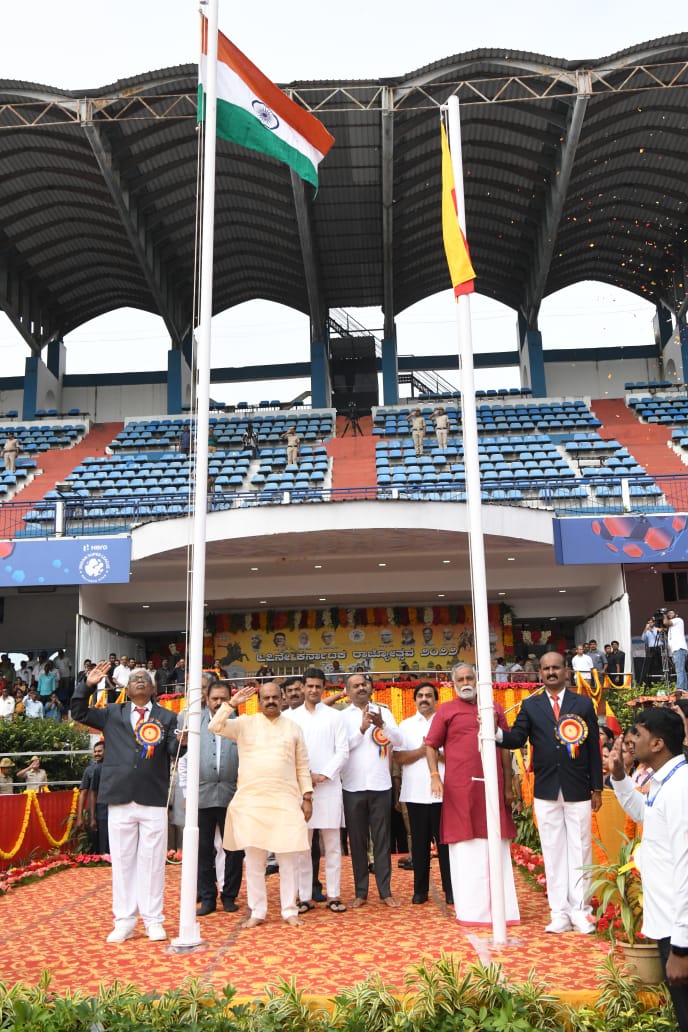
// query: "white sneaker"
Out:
[583,922]
[558,925]
[120,934]
[156,933]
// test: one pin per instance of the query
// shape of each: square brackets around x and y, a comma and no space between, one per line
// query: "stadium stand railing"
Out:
[593,495]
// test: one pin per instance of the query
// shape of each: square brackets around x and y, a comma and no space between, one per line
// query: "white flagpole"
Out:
[477,558]
[189,929]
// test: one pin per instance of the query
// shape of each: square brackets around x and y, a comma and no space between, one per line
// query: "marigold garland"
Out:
[70,819]
[25,823]
[32,801]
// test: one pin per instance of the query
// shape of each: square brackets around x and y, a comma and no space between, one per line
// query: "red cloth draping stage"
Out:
[55,808]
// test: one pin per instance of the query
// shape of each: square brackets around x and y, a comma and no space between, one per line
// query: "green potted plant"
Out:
[619,892]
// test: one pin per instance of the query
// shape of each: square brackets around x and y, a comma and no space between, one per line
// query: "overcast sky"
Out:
[73,44]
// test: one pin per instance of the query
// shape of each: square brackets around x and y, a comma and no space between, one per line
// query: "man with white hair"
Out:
[139,740]
[463,824]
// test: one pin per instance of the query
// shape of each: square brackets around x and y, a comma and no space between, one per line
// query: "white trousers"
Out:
[470,878]
[332,846]
[138,847]
[566,837]
[256,891]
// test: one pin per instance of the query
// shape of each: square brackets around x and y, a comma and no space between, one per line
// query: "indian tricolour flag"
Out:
[254,113]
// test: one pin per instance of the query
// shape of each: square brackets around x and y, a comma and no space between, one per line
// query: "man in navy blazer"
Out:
[568,788]
[134,784]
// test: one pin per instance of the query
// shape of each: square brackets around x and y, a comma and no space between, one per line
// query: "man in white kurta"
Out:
[328,749]
[273,800]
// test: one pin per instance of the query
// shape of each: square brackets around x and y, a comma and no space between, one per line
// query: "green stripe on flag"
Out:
[236,125]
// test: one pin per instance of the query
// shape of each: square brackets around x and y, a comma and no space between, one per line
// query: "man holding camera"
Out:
[652,636]
[678,650]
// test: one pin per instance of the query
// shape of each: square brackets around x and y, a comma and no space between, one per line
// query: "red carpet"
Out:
[354,458]
[60,924]
[54,465]
[646,442]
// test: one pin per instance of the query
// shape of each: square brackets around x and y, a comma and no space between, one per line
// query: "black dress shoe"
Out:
[206,908]
[419,899]
[319,897]
[272,869]
[229,906]
[406,864]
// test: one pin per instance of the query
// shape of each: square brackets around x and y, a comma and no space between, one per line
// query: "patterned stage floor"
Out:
[60,924]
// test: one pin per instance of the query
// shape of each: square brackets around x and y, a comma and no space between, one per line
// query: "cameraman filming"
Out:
[678,650]
[352,420]
[653,635]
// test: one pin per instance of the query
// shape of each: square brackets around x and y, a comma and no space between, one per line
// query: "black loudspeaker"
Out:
[353,373]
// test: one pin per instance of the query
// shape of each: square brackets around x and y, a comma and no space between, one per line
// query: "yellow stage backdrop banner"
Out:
[306,638]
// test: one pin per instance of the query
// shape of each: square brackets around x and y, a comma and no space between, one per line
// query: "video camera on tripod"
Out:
[657,619]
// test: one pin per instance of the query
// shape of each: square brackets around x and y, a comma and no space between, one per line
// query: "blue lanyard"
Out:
[651,802]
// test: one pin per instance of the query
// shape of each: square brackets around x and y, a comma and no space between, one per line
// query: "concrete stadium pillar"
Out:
[321,385]
[42,387]
[683,340]
[533,360]
[390,371]
[178,382]
[663,326]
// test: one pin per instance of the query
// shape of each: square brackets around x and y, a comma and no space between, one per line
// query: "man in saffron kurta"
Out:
[463,823]
[273,800]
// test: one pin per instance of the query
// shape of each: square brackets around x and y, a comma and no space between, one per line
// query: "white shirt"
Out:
[31,708]
[121,675]
[135,717]
[328,750]
[582,664]
[676,638]
[663,853]
[650,637]
[501,673]
[6,706]
[366,769]
[415,777]
[64,666]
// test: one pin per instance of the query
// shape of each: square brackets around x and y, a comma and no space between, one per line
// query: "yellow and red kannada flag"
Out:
[458,259]
[253,112]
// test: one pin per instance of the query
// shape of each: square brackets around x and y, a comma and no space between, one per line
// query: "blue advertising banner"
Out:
[53,561]
[621,539]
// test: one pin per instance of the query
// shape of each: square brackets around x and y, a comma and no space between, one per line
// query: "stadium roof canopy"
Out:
[574,170]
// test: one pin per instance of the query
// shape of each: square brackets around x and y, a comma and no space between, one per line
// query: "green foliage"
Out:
[618,1009]
[36,736]
[619,700]
[526,831]
[442,998]
[617,883]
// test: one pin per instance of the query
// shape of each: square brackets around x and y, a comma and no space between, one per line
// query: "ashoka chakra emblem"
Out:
[266,116]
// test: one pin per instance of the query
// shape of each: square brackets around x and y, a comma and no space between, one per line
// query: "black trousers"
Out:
[424,819]
[210,818]
[316,886]
[652,665]
[363,812]
[102,836]
[678,993]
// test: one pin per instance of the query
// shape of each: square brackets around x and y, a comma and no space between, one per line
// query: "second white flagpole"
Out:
[189,929]
[477,559]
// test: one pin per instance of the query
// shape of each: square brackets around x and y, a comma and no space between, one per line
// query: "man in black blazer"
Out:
[568,788]
[134,783]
